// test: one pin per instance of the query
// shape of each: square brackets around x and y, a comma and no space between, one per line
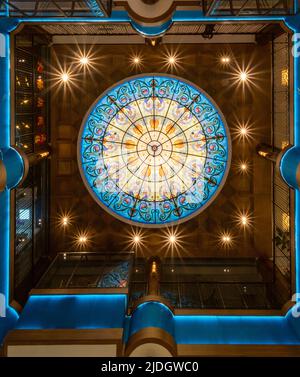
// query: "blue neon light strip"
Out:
[73,312]
[9,321]
[297,143]
[122,16]
[234,330]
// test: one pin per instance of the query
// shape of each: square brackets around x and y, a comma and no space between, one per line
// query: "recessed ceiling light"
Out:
[65,77]
[84,60]
[243,76]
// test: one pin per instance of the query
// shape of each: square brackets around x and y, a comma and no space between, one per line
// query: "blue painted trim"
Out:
[152,31]
[281,164]
[14,165]
[288,166]
[151,314]
[297,241]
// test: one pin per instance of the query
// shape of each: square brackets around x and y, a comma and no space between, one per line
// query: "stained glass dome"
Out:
[154,150]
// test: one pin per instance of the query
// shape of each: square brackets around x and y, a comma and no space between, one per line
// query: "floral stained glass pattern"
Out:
[154,150]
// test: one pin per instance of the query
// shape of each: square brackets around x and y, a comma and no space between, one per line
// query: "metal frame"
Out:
[58,8]
[126,255]
[103,8]
[247,7]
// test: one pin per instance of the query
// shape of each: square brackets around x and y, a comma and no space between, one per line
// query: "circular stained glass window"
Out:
[154,150]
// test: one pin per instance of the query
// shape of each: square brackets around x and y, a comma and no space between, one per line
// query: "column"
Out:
[289,164]
[11,172]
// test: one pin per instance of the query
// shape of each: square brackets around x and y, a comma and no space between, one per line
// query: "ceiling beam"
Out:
[137,39]
[268,33]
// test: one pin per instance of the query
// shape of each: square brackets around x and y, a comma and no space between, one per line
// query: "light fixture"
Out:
[84,60]
[62,77]
[153,42]
[285,222]
[81,239]
[65,77]
[154,267]
[173,240]
[136,239]
[244,131]
[172,60]
[243,167]
[285,77]
[243,76]
[225,60]
[243,219]
[225,239]
[136,60]
[65,221]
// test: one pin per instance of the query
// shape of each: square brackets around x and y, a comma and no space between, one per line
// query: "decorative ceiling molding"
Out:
[154,12]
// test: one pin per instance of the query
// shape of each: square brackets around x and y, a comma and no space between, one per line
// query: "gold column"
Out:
[154,276]
[268,152]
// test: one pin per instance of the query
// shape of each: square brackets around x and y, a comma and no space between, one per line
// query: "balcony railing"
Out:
[88,271]
[247,7]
